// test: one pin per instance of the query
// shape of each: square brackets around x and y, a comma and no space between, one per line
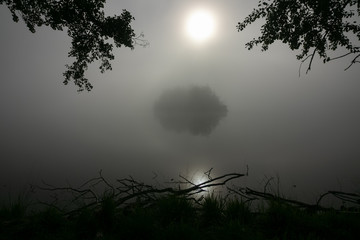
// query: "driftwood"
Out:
[127,191]
[250,194]
[353,198]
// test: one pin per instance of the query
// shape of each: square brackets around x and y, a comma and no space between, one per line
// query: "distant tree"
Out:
[88,27]
[313,26]
[195,109]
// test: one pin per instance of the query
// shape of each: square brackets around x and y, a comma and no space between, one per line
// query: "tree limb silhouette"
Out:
[88,28]
[128,190]
[318,26]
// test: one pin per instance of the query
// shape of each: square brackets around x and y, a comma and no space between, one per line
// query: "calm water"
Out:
[271,142]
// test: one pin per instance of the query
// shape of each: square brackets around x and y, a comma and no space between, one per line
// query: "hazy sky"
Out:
[306,129]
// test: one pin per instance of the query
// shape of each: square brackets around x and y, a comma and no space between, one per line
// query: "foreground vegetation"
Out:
[134,210]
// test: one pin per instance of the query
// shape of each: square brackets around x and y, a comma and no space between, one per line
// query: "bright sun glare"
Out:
[200,25]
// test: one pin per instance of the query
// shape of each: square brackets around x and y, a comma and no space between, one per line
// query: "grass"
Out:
[173,217]
[134,210]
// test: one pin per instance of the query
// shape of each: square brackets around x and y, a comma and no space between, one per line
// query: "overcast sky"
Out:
[306,129]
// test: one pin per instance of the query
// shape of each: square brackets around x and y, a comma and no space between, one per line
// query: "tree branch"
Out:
[130,189]
[353,62]
[302,61]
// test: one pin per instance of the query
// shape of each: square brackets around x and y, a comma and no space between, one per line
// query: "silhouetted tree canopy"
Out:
[313,26]
[86,24]
[196,109]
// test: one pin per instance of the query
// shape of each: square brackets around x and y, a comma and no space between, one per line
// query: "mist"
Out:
[304,129]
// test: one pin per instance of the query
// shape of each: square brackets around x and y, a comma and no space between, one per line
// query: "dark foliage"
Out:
[174,209]
[134,210]
[87,26]
[313,26]
[195,109]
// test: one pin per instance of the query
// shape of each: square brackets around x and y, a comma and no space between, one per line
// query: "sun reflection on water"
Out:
[199,177]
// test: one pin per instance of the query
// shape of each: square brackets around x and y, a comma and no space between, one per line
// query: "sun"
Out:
[200,25]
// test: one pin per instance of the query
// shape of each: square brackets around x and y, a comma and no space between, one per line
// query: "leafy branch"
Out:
[313,27]
[89,29]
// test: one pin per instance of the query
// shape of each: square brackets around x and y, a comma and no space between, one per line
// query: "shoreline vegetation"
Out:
[180,209]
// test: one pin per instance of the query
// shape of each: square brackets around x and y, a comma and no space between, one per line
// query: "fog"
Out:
[303,129]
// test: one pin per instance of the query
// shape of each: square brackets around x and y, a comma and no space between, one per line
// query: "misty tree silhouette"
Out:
[195,109]
[313,26]
[88,27]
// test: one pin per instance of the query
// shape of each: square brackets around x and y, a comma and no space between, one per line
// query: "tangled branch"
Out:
[127,191]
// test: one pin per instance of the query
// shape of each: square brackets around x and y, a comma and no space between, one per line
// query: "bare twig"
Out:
[129,189]
[269,196]
[348,197]
[341,56]
[302,63]
[140,40]
[311,60]
[207,173]
[241,193]
[267,183]
[353,62]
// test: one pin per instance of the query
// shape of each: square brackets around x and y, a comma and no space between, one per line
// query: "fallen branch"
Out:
[346,197]
[128,190]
